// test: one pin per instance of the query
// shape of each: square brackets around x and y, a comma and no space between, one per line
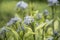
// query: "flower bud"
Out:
[22,4]
[28,20]
[46,13]
[52,2]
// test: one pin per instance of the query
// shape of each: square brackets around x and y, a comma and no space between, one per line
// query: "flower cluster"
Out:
[50,38]
[28,20]
[3,30]
[46,13]
[52,2]
[22,4]
[38,16]
[13,20]
[55,33]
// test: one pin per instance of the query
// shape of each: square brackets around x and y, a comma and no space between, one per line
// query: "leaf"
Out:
[28,34]
[56,24]
[40,26]
[14,32]
[48,23]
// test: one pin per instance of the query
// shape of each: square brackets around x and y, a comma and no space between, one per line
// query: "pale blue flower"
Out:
[3,30]
[46,13]
[22,4]
[23,28]
[47,21]
[50,38]
[39,16]
[55,1]
[37,24]
[55,33]
[52,2]
[13,20]
[28,20]
[18,29]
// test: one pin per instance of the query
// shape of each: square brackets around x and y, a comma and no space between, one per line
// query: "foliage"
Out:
[31,23]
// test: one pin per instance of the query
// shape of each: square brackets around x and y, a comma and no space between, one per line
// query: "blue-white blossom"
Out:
[52,2]
[38,16]
[46,13]
[28,20]
[18,29]
[47,21]
[55,33]
[37,24]
[50,38]
[22,27]
[3,30]
[22,4]
[13,20]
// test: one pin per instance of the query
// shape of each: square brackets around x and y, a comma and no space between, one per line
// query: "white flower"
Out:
[18,29]
[37,24]
[50,38]
[13,20]
[55,1]
[52,2]
[55,33]
[23,27]
[47,21]
[38,16]
[3,30]
[22,4]
[28,20]
[46,12]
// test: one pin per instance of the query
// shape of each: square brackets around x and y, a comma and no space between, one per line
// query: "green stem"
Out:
[53,18]
[33,29]
[43,32]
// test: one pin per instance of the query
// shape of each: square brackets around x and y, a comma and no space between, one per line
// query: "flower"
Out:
[23,28]
[18,29]
[28,20]
[50,38]
[38,16]
[46,12]
[13,20]
[47,21]
[37,24]
[2,29]
[55,33]
[22,4]
[3,32]
[52,2]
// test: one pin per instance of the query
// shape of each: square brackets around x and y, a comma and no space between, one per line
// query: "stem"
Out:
[23,35]
[53,11]
[53,18]
[5,35]
[43,34]
[33,29]
[43,29]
